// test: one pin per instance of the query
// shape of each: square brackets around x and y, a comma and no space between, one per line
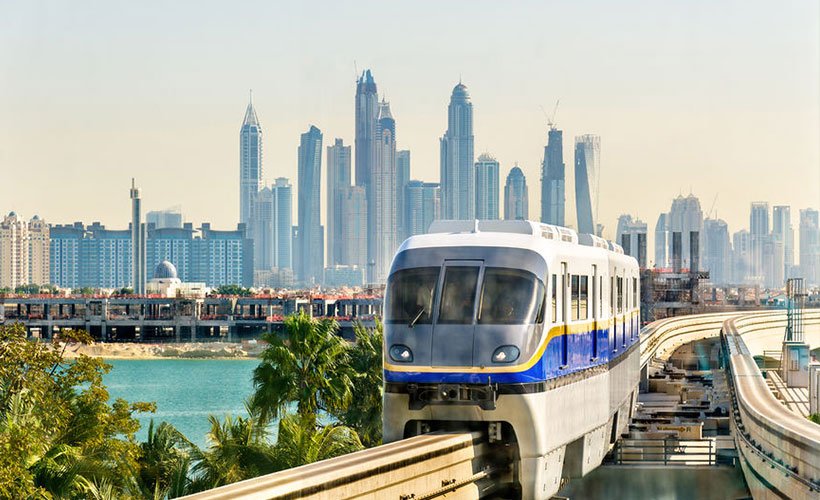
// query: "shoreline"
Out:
[190,350]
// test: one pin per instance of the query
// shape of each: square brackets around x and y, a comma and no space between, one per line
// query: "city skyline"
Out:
[631,110]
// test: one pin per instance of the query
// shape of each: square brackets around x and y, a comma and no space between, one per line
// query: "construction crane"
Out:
[709,213]
[551,119]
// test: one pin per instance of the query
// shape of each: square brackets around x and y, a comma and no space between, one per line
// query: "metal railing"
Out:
[665,451]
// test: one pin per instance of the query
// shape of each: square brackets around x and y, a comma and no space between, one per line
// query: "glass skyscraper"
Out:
[367,112]
[423,206]
[402,178]
[587,172]
[309,247]
[486,188]
[338,179]
[516,198]
[381,200]
[250,163]
[552,179]
[457,169]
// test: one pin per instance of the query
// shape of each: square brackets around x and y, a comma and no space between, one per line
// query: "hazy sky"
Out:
[720,98]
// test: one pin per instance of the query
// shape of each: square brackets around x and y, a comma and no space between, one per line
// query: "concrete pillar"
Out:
[50,330]
[178,331]
[103,331]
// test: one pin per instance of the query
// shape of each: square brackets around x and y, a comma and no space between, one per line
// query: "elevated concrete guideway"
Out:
[779,450]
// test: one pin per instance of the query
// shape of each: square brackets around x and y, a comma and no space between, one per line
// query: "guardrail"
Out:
[779,449]
[669,451]
[422,467]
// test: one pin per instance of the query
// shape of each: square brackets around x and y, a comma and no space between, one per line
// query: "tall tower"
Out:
[309,250]
[587,173]
[402,178]
[457,170]
[552,179]
[759,234]
[486,187]
[367,112]
[381,199]
[138,277]
[338,179]
[516,200]
[250,164]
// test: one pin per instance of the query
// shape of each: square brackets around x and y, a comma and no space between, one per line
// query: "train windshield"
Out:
[411,294]
[510,297]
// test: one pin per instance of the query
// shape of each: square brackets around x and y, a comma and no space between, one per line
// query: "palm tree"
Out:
[364,413]
[238,449]
[165,462]
[301,442]
[310,369]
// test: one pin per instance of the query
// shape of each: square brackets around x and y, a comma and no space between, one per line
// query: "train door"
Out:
[455,322]
[564,315]
[594,311]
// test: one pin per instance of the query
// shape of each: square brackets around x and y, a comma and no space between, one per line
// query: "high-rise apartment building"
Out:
[381,199]
[367,112]
[587,174]
[717,251]
[338,180]
[553,198]
[354,230]
[138,237]
[402,178]
[810,246]
[685,217]
[662,241]
[423,206]
[250,163]
[783,231]
[759,234]
[457,170]
[272,221]
[24,251]
[631,235]
[741,256]
[309,247]
[516,199]
[64,255]
[486,187]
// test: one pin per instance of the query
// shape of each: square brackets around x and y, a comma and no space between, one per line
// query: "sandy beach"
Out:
[190,350]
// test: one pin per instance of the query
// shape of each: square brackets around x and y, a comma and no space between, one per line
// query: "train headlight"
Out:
[506,354]
[401,353]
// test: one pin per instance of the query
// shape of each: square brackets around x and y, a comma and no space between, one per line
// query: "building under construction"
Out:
[675,291]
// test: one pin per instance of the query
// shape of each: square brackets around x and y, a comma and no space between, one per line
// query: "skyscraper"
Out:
[24,251]
[250,163]
[486,187]
[457,170]
[354,230]
[741,260]
[283,232]
[759,236]
[402,178]
[587,173]
[272,223]
[338,179]
[367,111]
[381,199]
[516,199]
[309,248]
[783,231]
[138,236]
[685,217]
[717,251]
[552,179]
[809,245]
[662,242]
[423,206]
[170,217]
[631,235]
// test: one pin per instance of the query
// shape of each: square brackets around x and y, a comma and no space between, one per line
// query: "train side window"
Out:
[600,296]
[554,298]
[542,308]
[634,293]
[620,294]
[575,296]
[612,295]
[564,285]
[584,297]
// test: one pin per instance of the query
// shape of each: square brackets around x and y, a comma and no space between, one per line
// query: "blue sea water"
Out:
[186,390]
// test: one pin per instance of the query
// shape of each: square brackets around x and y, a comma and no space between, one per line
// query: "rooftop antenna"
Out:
[356,69]
[250,96]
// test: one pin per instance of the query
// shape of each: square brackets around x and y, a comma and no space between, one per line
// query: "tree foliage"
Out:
[59,436]
[309,368]
[233,290]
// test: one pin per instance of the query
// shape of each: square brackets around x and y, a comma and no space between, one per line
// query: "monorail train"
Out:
[526,330]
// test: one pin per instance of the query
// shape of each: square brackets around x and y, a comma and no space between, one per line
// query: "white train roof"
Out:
[520,227]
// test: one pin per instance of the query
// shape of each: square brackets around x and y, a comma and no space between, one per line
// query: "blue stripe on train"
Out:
[579,357]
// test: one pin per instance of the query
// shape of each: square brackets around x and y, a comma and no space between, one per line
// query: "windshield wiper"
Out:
[416,318]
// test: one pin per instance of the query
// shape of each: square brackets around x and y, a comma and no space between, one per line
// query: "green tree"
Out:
[165,462]
[83,290]
[814,417]
[126,290]
[237,449]
[310,368]
[233,290]
[364,413]
[301,441]
[30,289]
[59,436]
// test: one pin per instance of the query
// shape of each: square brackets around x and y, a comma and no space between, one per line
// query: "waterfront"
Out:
[186,390]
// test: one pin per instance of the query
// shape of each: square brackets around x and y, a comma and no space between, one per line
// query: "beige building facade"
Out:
[24,251]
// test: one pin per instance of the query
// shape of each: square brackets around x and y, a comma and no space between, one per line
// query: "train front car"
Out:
[490,326]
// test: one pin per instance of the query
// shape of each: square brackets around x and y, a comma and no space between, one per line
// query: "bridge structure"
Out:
[133,318]
[778,449]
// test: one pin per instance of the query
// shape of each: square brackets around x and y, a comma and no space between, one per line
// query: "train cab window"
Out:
[410,295]
[583,303]
[554,298]
[458,295]
[574,296]
[509,297]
